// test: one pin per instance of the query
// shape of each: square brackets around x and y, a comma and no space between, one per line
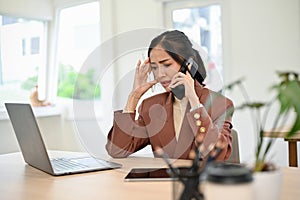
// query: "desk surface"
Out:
[20,181]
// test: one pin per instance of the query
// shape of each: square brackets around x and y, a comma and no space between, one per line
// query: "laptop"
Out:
[34,150]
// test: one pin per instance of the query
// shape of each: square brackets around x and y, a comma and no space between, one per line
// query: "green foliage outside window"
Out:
[29,83]
[86,88]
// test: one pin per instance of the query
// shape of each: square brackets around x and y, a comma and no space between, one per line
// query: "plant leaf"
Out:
[289,98]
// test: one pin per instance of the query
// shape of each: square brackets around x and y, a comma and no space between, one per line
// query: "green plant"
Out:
[287,96]
[29,83]
[85,88]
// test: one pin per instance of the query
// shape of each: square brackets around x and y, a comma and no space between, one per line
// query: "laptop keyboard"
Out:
[61,164]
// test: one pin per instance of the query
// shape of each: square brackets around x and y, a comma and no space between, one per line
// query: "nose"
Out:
[160,72]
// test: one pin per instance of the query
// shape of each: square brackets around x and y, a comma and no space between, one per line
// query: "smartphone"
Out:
[191,66]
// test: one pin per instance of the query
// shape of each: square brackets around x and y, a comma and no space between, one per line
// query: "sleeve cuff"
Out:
[196,107]
[127,111]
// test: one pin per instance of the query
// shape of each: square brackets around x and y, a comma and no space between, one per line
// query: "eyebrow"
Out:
[161,61]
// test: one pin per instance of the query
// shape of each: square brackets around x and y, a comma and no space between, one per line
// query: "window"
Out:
[78,36]
[35,45]
[203,25]
[22,57]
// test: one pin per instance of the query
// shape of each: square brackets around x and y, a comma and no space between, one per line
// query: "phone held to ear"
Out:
[191,66]
[178,91]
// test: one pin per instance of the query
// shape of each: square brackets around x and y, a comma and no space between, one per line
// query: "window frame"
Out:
[42,81]
[169,6]
[54,72]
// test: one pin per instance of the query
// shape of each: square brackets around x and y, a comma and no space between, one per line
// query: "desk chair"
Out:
[235,155]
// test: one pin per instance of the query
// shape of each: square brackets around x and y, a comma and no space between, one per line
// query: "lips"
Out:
[165,83]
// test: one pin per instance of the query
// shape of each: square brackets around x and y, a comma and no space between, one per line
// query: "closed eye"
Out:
[154,67]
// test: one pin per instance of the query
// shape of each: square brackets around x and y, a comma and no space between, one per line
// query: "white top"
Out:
[179,107]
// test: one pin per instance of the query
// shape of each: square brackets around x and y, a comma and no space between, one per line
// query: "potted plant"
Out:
[287,97]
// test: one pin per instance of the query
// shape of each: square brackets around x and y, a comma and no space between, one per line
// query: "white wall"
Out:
[265,37]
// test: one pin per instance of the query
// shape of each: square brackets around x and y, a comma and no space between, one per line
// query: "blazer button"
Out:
[202,129]
[196,115]
[198,123]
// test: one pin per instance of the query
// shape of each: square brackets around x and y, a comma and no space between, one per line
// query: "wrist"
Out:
[193,99]
[194,102]
[131,103]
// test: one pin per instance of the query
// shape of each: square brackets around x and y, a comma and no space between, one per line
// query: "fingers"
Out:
[175,84]
[189,75]
[146,61]
[143,67]
[178,79]
[138,64]
[141,73]
[146,66]
[188,82]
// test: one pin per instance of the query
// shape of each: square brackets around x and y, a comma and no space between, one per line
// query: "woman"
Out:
[165,121]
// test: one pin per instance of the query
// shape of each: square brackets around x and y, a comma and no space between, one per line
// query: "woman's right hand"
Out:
[142,71]
[140,85]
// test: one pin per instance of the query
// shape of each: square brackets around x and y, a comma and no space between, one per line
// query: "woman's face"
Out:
[163,66]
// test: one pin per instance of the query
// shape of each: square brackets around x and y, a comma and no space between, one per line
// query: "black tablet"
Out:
[150,174]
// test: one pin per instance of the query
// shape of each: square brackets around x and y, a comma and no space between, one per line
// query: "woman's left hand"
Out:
[188,82]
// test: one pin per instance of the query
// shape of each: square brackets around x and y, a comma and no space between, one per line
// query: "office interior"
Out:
[259,37]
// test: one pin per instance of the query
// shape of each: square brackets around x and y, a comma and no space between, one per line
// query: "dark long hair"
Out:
[179,47]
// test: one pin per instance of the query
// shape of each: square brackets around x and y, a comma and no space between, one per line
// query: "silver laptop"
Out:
[34,150]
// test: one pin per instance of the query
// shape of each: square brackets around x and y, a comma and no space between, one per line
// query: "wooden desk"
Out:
[20,181]
[292,143]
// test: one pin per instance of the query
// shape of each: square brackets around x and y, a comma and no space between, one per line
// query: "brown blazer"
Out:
[155,126]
